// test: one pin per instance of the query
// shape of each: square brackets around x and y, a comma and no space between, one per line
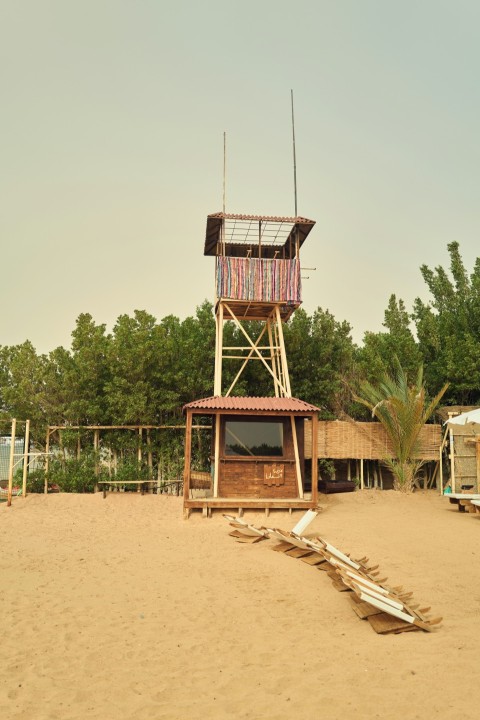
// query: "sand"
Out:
[119,608]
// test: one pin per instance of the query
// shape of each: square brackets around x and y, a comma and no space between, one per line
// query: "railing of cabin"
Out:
[259,280]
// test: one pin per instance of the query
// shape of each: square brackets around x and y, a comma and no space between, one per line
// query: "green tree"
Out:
[403,409]
[381,350]
[448,329]
[320,354]
[23,392]
[87,373]
[134,356]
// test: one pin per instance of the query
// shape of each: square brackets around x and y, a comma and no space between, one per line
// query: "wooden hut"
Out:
[258,458]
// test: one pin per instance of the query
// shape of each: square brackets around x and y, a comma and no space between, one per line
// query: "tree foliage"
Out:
[448,329]
[381,351]
[403,409]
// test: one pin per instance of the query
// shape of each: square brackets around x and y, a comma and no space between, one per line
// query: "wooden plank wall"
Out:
[244,477]
[465,456]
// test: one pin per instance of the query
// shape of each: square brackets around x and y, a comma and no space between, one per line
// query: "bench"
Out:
[142,484]
[464,501]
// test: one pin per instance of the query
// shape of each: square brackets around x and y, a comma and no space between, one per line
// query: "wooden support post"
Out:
[314,459]
[216,457]
[217,384]
[272,355]
[452,462]
[477,448]
[283,355]
[188,455]
[149,461]
[297,458]
[47,460]
[96,445]
[11,462]
[139,456]
[362,483]
[349,474]
[440,460]
[26,449]
[278,366]
[444,441]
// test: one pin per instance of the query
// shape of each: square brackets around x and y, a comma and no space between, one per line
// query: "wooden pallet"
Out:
[388,609]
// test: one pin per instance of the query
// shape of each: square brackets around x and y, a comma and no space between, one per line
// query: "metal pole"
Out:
[294,156]
[224,168]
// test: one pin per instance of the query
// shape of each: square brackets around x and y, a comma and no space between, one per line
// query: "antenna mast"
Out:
[224,166]
[294,156]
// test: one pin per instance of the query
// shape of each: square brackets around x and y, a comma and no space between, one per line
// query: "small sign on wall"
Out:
[274,474]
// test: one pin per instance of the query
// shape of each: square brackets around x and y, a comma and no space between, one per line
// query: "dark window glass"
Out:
[253,438]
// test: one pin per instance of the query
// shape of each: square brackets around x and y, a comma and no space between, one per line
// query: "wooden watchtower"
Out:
[257,453]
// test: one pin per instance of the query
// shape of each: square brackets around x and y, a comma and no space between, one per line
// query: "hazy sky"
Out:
[111,124]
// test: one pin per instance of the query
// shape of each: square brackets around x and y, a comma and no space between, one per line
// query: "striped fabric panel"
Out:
[260,280]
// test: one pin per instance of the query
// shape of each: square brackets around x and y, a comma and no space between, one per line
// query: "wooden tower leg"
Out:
[217,384]
[283,354]
[273,356]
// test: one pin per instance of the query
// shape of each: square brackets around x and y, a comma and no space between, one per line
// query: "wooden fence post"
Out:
[26,450]
[10,465]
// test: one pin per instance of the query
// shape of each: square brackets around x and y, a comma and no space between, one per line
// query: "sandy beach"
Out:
[119,608]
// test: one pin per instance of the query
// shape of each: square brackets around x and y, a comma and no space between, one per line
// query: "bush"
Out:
[75,476]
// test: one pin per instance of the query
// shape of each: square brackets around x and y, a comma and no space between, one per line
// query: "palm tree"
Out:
[402,409]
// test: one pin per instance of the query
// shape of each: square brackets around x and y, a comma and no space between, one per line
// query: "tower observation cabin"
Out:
[256,457]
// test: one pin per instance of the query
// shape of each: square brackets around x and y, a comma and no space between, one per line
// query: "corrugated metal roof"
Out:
[264,218]
[252,404]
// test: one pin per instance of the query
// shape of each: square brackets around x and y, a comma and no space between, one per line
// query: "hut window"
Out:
[253,438]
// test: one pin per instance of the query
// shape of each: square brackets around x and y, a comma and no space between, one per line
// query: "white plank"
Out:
[386,608]
[341,556]
[304,522]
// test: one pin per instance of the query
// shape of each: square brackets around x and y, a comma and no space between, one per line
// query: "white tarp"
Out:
[472,416]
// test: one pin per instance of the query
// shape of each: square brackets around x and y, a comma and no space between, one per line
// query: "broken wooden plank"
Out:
[384,623]
[313,559]
[297,552]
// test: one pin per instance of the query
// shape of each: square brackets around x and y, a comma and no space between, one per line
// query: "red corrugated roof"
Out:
[252,404]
